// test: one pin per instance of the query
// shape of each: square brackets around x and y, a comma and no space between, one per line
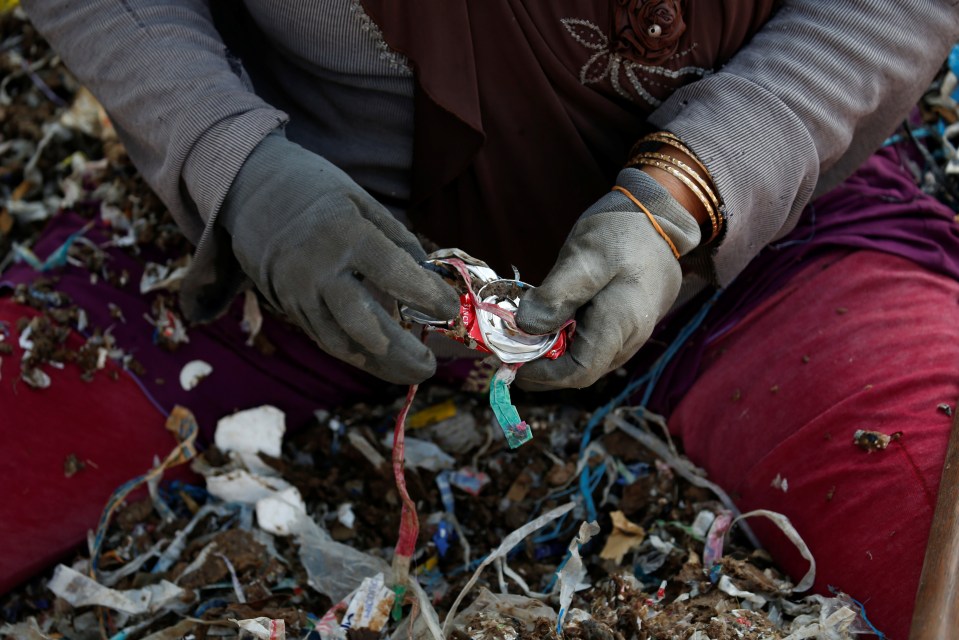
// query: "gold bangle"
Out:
[667,138]
[684,167]
[715,219]
[659,229]
[692,187]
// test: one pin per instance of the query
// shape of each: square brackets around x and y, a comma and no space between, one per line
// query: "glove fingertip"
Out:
[424,369]
[533,317]
[440,299]
[410,372]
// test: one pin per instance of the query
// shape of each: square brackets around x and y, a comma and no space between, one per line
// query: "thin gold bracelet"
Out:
[642,207]
[683,166]
[670,139]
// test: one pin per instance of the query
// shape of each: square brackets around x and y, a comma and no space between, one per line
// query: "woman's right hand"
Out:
[308,236]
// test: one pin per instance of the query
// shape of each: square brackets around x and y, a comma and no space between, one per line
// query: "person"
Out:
[301,145]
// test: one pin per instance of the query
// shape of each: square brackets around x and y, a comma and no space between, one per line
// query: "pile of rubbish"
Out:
[543,541]
[591,525]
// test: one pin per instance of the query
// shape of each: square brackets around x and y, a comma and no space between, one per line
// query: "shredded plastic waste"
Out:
[571,578]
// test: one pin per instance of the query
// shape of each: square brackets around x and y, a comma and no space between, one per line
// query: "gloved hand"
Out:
[307,235]
[617,275]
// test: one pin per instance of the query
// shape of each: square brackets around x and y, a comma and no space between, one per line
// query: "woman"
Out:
[293,142]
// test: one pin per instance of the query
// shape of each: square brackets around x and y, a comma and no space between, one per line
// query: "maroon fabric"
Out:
[879,207]
[107,424]
[862,340]
[526,111]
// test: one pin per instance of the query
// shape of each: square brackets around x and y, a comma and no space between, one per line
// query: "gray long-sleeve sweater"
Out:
[797,109]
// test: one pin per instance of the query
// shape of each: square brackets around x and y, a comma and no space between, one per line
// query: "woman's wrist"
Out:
[669,162]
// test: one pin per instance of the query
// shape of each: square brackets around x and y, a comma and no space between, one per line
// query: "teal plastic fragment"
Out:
[517,432]
[56,259]
[397,612]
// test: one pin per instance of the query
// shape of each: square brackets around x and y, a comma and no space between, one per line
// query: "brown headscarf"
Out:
[525,111]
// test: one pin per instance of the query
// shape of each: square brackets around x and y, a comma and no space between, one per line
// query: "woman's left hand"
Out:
[617,274]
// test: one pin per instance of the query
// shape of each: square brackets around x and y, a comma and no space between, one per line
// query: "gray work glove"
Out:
[616,275]
[308,236]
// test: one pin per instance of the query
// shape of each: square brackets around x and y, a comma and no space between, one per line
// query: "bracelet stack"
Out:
[646,153]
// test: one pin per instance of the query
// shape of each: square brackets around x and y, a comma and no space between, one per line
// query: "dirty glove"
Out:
[616,275]
[308,237]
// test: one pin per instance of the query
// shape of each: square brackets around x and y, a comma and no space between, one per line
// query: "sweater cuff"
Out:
[217,156]
[762,159]
[214,277]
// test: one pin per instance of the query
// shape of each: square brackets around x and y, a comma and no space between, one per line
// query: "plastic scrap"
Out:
[702,523]
[370,606]
[57,257]
[784,525]
[237,587]
[493,616]
[110,578]
[517,432]
[446,491]
[279,513]
[625,537]
[441,538]
[457,434]
[176,547]
[175,632]
[248,480]
[837,618]
[487,306]
[409,519]
[431,415]
[251,432]
[183,426]
[29,629]
[334,569]
[469,480]
[364,446]
[239,485]
[427,612]
[422,454]
[193,373]
[169,332]
[345,515]
[571,578]
[80,590]
[713,551]
[158,277]
[487,323]
[505,546]
[686,469]
[328,627]
[726,586]
[87,115]
[263,628]
[252,321]
[780,483]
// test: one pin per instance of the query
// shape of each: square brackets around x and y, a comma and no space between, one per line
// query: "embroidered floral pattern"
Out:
[397,61]
[647,30]
[625,63]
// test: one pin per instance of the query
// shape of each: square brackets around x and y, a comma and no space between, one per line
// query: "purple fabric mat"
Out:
[298,377]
